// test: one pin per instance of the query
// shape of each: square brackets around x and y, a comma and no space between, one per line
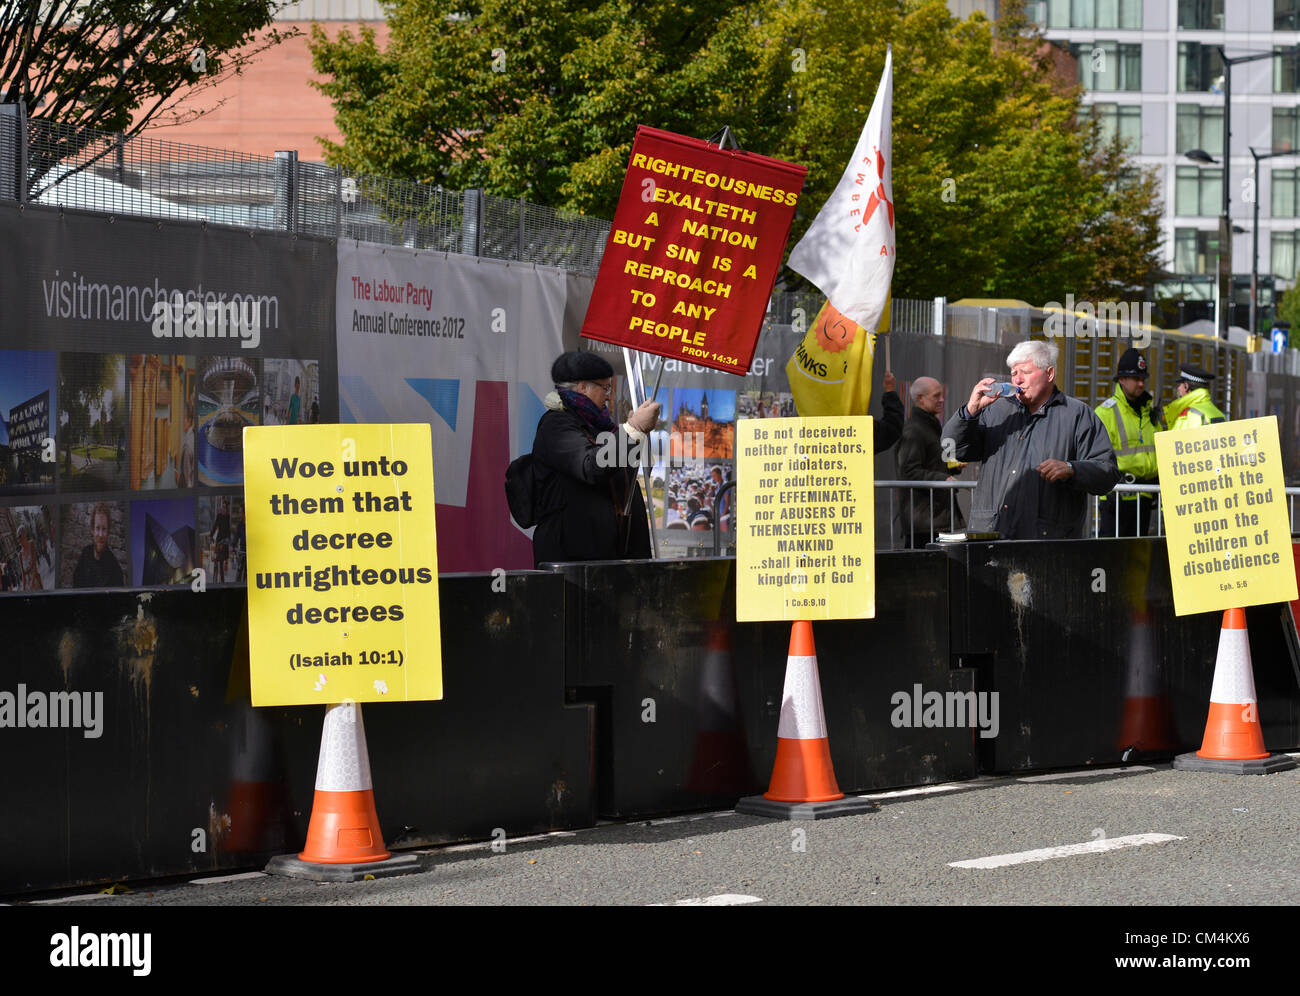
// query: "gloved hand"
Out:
[645,416]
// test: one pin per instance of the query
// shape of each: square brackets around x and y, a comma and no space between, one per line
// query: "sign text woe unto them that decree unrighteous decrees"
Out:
[693,254]
[342,564]
[805,519]
[1225,508]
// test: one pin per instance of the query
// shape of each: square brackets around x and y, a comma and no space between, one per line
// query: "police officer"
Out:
[1131,425]
[1193,407]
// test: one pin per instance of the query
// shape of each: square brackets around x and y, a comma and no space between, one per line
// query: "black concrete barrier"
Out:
[184,776]
[689,700]
[1080,640]
[627,688]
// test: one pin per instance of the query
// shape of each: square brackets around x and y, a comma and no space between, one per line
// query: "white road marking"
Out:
[726,899]
[689,818]
[1060,776]
[70,899]
[218,879]
[1065,851]
[923,790]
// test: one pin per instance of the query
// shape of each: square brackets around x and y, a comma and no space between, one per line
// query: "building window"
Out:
[1128,178]
[1200,15]
[1125,14]
[1282,255]
[1284,193]
[1286,16]
[1286,129]
[1199,67]
[1199,127]
[1195,250]
[1108,65]
[1285,75]
[1198,191]
[1122,120]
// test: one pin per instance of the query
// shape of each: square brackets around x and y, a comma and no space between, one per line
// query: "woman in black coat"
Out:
[585,466]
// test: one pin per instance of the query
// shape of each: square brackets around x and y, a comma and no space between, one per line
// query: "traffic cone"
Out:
[1234,740]
[1148,721]
[344,842]
[803,785]
[721,762]
[258,802]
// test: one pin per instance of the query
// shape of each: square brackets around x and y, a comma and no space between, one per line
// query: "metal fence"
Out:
[929,495]
[57,164]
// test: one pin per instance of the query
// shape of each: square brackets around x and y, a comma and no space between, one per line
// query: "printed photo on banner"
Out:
[26,421]
[765,404]
[27,548]
[92,540]
[706,418]
[229,398]
[162,541]
[93,418]
[222,538]
[694,499]
[291,392]
[162,421]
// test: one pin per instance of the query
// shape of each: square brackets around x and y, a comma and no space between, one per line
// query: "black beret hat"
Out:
[571,367]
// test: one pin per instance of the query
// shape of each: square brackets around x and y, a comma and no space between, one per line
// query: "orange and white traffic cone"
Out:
[344,842]
[803,782]
[258,801]
[1234,739]
[721,762]
[1148,722]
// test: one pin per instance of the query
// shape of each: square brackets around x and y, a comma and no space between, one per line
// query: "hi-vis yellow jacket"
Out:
[1193,410]
[1133,436]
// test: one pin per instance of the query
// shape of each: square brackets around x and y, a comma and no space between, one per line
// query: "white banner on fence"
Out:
[466,345]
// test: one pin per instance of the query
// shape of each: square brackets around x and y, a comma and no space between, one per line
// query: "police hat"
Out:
[1195,375]
[1132,364]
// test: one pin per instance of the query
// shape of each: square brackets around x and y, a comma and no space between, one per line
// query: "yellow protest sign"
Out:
[342,564]
[805,519]
[1224,502]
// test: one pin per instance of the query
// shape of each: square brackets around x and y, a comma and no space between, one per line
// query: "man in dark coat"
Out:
[1043,452]
[585,468]
[923,513]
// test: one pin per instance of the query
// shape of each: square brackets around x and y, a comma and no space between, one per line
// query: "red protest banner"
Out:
[693,254]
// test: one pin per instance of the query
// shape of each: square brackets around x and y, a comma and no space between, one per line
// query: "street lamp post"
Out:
[1254,260]
[1225,225]
[1203,158]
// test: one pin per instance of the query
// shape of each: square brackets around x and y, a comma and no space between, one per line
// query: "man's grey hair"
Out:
[921,386]
[1040,354]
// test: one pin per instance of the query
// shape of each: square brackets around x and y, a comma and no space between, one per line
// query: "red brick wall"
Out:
[271,106]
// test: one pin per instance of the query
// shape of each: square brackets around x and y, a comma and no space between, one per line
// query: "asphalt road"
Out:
[1225,840]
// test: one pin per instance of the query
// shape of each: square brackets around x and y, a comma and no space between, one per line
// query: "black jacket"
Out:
[579,502]
[920,458]
[886,431]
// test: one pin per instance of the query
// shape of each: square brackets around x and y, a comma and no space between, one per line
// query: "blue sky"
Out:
[722,404]
[23,375]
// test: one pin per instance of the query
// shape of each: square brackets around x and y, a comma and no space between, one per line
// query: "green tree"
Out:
[539,98]
[120,65]
[1288,310]
[1003,186]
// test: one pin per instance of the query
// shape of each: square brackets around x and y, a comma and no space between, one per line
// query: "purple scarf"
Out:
[596,419]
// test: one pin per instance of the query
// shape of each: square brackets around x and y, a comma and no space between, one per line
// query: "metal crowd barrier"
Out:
[928,501]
